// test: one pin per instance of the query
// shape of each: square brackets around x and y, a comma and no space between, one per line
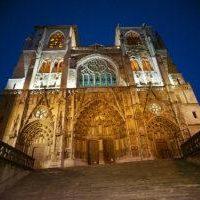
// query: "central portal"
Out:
[94,151]
[98,130]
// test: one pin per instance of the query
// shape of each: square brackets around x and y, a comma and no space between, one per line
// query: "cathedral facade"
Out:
[69,105]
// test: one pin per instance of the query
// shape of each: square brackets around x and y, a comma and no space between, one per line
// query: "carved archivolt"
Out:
[38,129]
[83,100]
[163,137]
[162,126]
[99,120]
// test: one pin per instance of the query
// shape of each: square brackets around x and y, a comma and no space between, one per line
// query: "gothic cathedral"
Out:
[69,105]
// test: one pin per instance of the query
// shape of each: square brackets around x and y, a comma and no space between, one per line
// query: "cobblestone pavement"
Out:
[128,181]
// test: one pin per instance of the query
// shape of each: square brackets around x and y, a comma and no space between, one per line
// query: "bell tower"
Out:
[44,58]
[137,45]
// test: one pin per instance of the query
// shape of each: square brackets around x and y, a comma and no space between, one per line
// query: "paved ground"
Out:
[140,180]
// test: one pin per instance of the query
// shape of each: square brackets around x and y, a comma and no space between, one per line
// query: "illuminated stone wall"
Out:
[69,105]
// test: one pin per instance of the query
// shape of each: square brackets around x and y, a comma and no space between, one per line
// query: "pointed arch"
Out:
[135,65]
[36,136]
[97,122]
[88,104]
[97,70]
[56,40]
[146,65]
[57,67]
[163,136]
[132,38]
[45,66]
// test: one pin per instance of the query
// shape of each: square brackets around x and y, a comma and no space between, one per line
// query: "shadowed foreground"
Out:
[163,179]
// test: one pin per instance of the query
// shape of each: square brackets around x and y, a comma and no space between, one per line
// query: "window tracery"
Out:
[155,108]
[56,40]
[96,72]
[41,113]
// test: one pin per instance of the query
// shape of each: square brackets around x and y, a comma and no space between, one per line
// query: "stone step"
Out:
[162,179]
[55,164]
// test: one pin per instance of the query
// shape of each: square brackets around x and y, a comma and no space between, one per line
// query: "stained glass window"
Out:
[146,65]
[56,40]
[103,79]
[91,80]
[109,79]
[98,80]
[45,67]
[135,65]
[96,72]
[86,79]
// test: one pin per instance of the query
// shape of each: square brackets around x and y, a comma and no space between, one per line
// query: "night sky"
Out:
[178,22]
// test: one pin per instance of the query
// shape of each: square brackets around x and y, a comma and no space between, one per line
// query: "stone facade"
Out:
[69,105]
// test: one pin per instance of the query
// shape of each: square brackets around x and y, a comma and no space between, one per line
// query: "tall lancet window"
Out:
[146,65]
[132,38]
[56,40]
[45,67]
[57,68]
[134,65]
[96,72]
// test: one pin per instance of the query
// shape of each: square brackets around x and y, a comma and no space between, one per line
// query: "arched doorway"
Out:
[163,138]
[98,130]
[36,138]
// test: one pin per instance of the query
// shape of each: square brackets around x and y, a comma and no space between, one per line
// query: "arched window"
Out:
[45,67]
[134,65]
[57,68]
[56,40]
[132,38]
[146,65]
[96,72]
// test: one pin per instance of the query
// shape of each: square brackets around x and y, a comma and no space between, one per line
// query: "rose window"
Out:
[155,108]
[41,113]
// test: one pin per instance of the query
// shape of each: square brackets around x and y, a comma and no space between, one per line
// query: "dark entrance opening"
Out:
[93,152]
[163,151]
[108,151]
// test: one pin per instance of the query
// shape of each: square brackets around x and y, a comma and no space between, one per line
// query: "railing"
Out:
[192,146]
[15,156]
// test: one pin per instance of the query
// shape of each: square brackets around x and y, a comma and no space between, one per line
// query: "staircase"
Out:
[162,179]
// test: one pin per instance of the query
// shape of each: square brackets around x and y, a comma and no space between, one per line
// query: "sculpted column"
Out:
[69,147]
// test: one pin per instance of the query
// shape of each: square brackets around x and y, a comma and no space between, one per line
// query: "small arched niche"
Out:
[132,38]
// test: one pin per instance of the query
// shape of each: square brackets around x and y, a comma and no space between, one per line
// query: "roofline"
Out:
[54,26]
[133,27]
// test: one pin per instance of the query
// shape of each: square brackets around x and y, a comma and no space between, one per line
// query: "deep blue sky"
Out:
[178,22]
